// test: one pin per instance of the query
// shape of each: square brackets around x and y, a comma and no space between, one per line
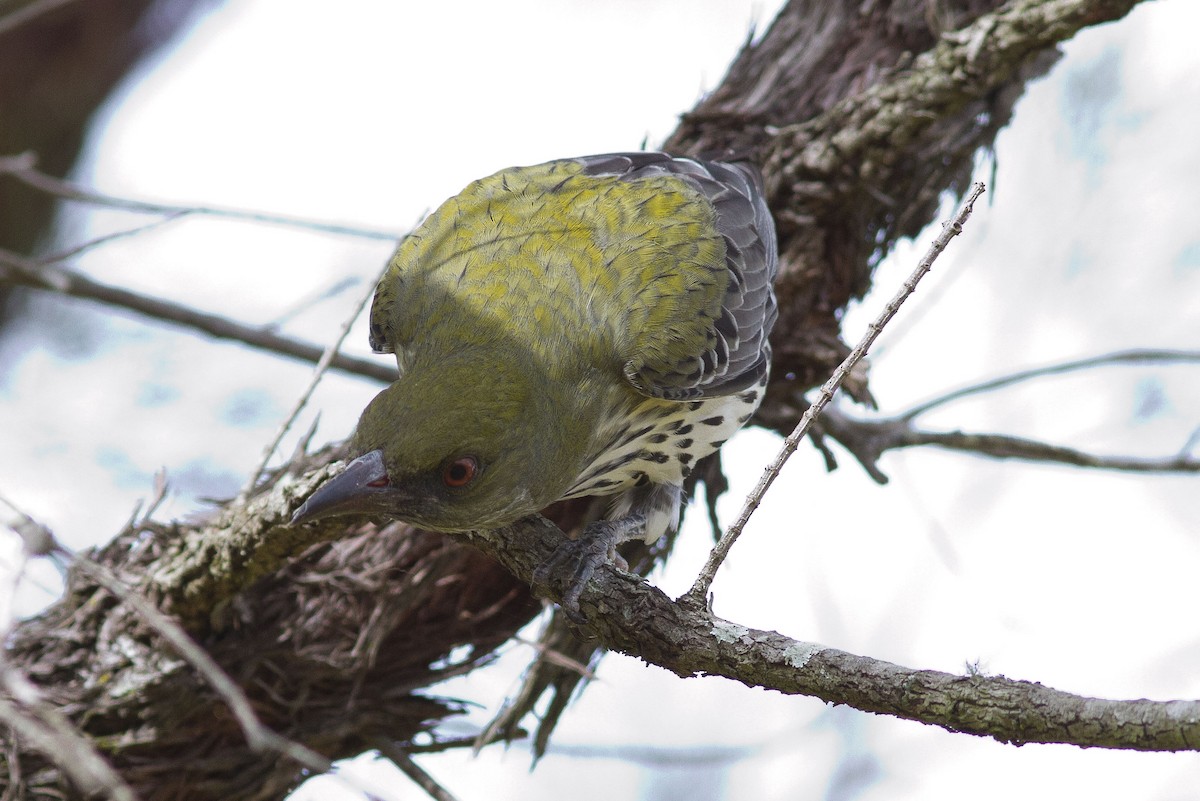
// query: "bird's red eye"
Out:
[460,472]
[380,482]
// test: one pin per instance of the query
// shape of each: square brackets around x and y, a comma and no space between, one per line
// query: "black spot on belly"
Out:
[713,421]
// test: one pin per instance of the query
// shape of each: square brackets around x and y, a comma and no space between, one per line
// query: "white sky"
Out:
[1088,242]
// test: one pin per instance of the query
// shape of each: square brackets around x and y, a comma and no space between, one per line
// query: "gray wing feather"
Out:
[740,354]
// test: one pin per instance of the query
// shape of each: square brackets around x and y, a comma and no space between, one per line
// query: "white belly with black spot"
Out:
[659,442]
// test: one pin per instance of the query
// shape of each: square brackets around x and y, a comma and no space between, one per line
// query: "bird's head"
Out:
[450,450]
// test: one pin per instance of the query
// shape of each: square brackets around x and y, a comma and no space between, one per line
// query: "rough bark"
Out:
[862,113]
[631,616]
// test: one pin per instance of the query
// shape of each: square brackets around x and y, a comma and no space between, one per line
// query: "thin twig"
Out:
[313,298]
[327,358]
[92,244]
[33,536]
[699,590]
[1003,446]
[36,539]
[868,439]
[1190,443]
[13,575]
[413,771]
[450,743]
[140,517]
[556,657]
[23,167]
[1134,356]
[20,270]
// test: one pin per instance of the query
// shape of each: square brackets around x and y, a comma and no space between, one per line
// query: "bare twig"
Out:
[556,657]
[313,298]
[1124,357]
[100,241]
[1190,443]
[642,753]
[451,743]
[412,770]
[868,440]
[950,229]
[36,539]
[23,168]
[327,358]
[140,516]
[39,274]
[20,270]
[1002,446]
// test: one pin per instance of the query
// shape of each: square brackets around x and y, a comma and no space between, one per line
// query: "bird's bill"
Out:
[350,491]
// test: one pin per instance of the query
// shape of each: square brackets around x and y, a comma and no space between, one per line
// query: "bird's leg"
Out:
[574,561]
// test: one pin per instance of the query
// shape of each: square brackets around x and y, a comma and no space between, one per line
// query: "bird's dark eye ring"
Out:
[460,472]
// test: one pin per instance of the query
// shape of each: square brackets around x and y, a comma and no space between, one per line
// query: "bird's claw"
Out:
[575,561]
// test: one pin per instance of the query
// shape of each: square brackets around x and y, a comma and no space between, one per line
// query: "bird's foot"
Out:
[575,561]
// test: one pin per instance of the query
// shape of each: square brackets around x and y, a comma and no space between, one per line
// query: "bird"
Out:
[588,326]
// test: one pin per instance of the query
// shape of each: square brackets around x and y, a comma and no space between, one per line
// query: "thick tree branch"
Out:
[628,615]
[846,183]
[891,116]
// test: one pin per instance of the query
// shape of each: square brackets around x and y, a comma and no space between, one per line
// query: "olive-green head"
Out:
[451,449]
